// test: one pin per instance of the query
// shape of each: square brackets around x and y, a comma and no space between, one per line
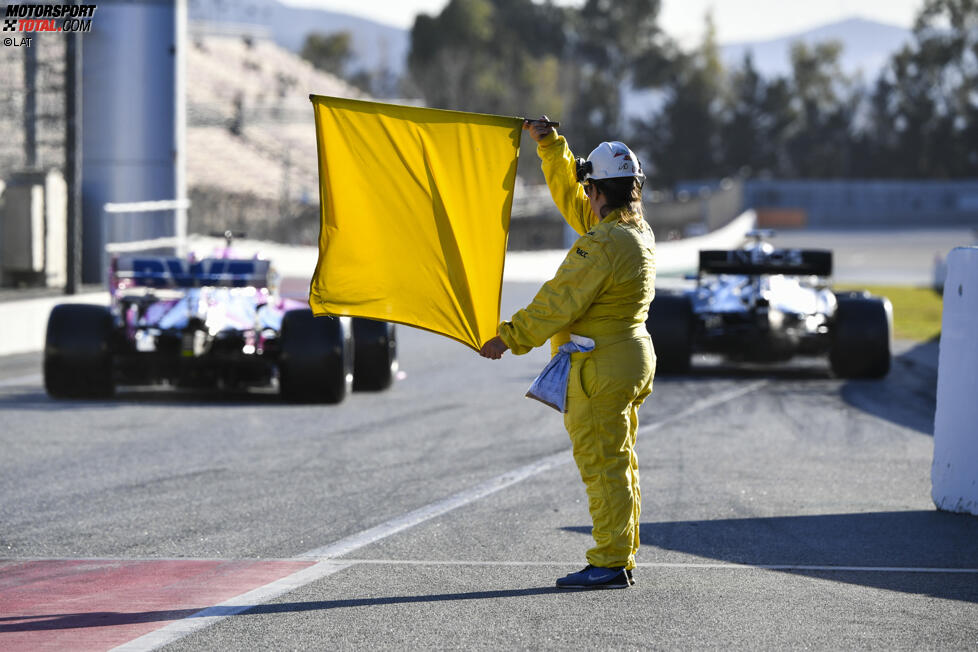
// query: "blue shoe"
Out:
[593,577]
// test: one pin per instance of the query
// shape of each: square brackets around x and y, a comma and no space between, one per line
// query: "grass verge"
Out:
[916,310]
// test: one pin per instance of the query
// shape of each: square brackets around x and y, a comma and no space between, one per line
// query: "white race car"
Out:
[762,304]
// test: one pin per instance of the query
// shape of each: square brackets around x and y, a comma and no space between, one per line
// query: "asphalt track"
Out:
[781,508]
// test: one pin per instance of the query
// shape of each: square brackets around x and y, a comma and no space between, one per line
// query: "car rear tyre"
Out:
[316,363]
[861,337]
[375,355]
[78,352]
[670,323]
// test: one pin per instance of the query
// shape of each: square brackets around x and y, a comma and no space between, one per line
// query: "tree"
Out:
[328,52]
[925,105]
[756,117]
[683,139]
[825,102]
[614,42]
[493,56]
[508,56]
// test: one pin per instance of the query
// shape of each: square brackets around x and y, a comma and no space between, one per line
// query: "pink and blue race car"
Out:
[215,322]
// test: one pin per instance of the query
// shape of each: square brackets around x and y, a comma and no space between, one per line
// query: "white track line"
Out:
[683,565]
[212,615]
[405,521]
[195,622]
[347,561]
[704,404]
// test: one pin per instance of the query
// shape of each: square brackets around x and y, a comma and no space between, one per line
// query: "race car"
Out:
[215,322]
[760,304]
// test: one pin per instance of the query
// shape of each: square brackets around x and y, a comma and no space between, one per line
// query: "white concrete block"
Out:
[23,324]
[954,474]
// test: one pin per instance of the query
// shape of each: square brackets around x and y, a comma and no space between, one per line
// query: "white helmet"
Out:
[610,160]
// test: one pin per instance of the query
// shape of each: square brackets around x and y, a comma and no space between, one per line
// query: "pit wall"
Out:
[855,203]
[883,203]
[25,322]
[954,474]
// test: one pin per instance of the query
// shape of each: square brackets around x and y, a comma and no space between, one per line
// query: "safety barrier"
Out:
[672,257]
[25,322]
[869,203]
[954,474]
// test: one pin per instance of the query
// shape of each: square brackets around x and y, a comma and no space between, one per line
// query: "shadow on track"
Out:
[47,622]
[712,367]
[36,399]
[907,396]
[910,540]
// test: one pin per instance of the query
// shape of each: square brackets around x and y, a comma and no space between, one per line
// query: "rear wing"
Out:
[753,262]
[174,272]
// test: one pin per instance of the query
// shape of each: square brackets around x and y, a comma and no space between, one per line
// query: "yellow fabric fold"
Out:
[415,210]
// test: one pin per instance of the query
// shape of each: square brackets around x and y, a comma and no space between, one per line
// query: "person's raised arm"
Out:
[560,171]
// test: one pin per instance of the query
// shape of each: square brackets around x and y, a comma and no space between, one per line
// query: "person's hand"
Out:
[494,348]
[538,131]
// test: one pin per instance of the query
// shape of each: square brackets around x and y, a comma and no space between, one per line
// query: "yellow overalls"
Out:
[602,290]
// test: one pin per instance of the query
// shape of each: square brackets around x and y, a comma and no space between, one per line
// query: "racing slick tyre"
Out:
[78,352]
[670,323]
[316,362]
[861,336]
[374,355]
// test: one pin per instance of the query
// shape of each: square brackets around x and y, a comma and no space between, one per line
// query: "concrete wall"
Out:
[954,474]
[216,210]
[870,203]
[695,208]
[25,322]
[704,208]
[538,232]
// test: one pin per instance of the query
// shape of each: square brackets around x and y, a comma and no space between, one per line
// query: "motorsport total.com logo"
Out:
[48,18]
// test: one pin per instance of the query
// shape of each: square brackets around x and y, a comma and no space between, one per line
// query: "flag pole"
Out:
[545,123]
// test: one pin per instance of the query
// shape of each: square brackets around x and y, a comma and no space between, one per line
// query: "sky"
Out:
[736,20]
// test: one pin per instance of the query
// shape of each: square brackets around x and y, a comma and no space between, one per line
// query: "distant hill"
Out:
[376,46]
[867,44]
[866,47]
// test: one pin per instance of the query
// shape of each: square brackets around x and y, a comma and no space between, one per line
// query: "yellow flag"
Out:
[415,215]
